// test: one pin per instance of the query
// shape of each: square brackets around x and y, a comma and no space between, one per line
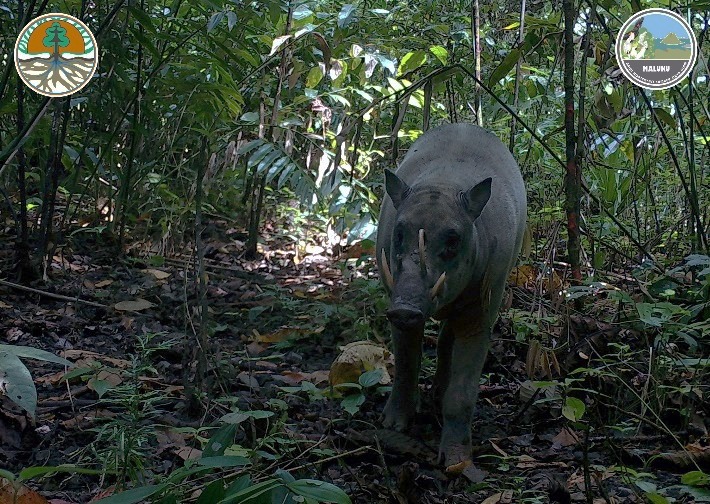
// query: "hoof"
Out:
[396,418]
[454,454]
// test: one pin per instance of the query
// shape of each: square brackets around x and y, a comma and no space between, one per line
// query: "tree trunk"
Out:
[572,175]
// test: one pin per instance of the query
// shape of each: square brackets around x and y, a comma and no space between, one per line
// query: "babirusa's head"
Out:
[432,249]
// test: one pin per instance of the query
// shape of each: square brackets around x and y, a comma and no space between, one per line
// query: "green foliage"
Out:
[357,392]
[15,379]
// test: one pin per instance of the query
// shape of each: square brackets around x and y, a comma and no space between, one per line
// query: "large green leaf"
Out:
[320,491]
[34,353]
[411,61]
[16,381]
[220,441]
[505,66]
[441,53]
[133,496]
[346,16]
[252,492]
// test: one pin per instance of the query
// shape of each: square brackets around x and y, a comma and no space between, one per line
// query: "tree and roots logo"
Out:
[56,55]
[656,49]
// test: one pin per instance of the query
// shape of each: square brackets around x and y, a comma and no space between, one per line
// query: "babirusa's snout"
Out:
[389,281]
[404,316]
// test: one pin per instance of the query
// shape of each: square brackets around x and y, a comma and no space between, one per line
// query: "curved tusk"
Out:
[437,286]
[389,281]
[422,255]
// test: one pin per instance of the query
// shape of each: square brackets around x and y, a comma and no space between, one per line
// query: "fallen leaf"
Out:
[566,437]
[293,377]
[255,348]
[84,358]
[20,495]
[103,283]
[358,357]
[493,499]
[135,305]
[522,275]
[158,274]
[4,305]
[248,380]
[283,334]
[188,453]
[85,420]
[103,494]
[498,448]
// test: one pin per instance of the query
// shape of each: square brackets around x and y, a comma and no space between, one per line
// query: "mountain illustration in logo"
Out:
[656,48]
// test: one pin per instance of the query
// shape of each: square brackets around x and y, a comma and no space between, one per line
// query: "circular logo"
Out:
[56,55]
[656,49]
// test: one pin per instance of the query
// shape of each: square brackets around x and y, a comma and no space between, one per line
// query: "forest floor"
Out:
[277,328]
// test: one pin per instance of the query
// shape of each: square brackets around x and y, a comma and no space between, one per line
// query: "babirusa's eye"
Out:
[398,236]
[452,240]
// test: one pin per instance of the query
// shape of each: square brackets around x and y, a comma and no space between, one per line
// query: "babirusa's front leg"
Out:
[468,355]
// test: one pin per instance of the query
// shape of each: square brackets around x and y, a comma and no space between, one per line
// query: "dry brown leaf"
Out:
[493,499]
[522,275]
[283,334]
[22,495]
[114,379]
[4,305]
[357,250]
[83,358]
[52,379]
[684,459]
[358,357]
[137,304]
[103,494]
[319,376]
[498,449]
[294,377]
[86,419]
[103,283]
[158,274]
[188,453]
[554,284]
[566,437]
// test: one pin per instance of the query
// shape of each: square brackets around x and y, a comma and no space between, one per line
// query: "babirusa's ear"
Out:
[396,188]
[476,198]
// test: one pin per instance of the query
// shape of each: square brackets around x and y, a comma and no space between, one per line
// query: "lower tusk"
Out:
[389,281]
[422,256]
[437,286]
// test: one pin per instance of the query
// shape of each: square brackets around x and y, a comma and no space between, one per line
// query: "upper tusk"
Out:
[422,256]
[437,286]
[389,281]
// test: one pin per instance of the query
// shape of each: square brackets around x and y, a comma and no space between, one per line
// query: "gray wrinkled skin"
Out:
[461,185]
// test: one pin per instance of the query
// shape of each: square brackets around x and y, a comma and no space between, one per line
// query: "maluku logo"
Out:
[56,55]
[656,49]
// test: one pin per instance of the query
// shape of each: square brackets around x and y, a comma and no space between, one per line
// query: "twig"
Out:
[51,295]
[333,457]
